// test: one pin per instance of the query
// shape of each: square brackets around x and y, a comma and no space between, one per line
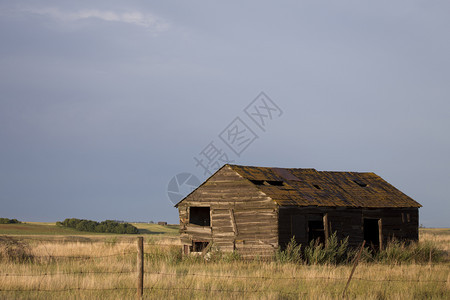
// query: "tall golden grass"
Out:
[106,270]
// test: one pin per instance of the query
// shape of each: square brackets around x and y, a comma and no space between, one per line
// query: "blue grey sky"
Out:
[103,102]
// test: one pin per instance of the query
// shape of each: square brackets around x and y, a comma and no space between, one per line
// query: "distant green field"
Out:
[45,228]
[35,228]
[156,229]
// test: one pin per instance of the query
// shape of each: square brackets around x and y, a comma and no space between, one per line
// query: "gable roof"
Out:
[309,187]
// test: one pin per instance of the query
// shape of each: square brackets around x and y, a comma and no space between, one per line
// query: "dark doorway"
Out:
[372,233]
[199,216]
[316,231]
[298,228]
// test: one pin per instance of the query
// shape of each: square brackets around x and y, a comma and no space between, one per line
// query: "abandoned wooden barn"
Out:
[256,210]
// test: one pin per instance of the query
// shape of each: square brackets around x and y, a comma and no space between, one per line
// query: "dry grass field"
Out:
[104,267]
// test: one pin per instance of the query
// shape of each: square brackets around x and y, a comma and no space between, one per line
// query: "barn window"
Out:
[275,182]
[258,182]
[406,218]
[198,246]
[360,183]
[199,216]
[317,186]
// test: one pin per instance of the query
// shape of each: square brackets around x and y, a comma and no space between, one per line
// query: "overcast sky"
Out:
[103,102]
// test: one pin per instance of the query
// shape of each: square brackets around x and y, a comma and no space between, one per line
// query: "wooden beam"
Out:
[380,233]
[233,222]
[325,227]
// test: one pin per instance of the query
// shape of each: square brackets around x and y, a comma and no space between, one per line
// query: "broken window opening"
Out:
[316,231]
[360,183]
[258,182]
[406,218]
[199,216]
[199,246]
[275,182]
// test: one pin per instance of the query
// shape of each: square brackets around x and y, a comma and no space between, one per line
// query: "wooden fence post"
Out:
[140,267]
[354,267]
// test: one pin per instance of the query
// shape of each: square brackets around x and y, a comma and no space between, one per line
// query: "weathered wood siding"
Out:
[242,217]
[399,223]
[257,231]
[245,219]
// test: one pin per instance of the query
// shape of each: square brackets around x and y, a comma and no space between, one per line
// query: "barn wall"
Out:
[257,231]
[347,222]
[293,221]
[399,223]
[242,217]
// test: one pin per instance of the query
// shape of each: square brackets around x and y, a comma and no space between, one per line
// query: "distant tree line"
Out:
[107,226]
[9,221]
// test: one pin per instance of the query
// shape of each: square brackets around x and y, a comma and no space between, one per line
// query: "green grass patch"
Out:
[145,228]
[35,229]
[338,252]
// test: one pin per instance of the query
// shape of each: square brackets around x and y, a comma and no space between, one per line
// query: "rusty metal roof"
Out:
[309,187]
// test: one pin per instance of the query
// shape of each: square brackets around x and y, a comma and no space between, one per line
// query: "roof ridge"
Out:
[331,171]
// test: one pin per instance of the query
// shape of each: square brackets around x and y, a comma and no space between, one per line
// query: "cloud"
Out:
[137,18]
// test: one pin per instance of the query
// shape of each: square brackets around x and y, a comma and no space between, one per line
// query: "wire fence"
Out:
[295,277]
[226,276]
[153,284]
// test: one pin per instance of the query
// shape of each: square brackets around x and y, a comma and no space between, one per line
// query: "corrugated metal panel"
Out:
[309,187]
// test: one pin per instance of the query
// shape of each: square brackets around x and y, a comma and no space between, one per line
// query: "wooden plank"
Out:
[325,227]
[380,233]
[233,222]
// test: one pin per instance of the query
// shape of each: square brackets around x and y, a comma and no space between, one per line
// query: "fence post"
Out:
[354,267]
[140,267]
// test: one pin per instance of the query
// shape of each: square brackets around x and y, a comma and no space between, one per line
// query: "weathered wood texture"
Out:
[293,221]
[308,187]
[255,210]
[242,217]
